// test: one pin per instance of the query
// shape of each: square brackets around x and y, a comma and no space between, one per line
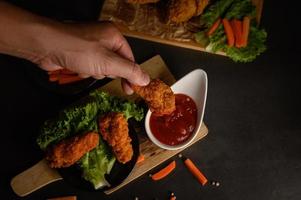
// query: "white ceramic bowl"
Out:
[194,84]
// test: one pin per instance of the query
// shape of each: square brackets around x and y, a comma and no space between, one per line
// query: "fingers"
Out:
[84,75]
[115,65]
[118,43]
[124,49]
[126,87]
[50,67]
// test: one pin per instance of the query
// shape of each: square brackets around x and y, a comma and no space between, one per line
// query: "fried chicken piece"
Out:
[68,151]
[159,97]
[181,10]
[141,1]
[201,5]
[114,129]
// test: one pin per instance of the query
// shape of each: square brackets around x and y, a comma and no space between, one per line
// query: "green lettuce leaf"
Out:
[256,45]
[76,118]
[202,38]
[216,10]
[241,8]
[96,163]
[108,103]
[82,117]
[233,9]
[217,40]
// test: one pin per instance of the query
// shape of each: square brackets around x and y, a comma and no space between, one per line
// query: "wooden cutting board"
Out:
[128,30]
[41,174]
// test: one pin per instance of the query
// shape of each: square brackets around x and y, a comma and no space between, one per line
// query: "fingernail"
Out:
[129,92]
[127,88]
[144,79]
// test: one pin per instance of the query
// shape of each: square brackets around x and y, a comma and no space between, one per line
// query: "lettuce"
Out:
[232,9]
[96,163]
[256,45]
[241,8]
[82,117]
[74,119]
[108,103]
[254,48]
[216,10]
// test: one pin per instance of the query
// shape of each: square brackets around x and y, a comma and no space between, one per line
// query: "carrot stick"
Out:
[172,196]
[164,172]
[64,79]
[237,29]
[195,171]
[229,32]
[61,71]
[67,71]
[54,72]
[214,27]
[53,77]
[245,30]
[140,158]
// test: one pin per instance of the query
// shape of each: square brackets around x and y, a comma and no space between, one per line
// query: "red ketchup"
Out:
[177,127]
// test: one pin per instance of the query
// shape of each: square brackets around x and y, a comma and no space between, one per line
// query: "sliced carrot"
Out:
[237,29]
[245,30]
[67,71]
[54,72]
[195,171]
[140,158]
[53,77]
[63,76]
[164,172]
[64,198]
[172,196]
[229,32]
[65,79]
[214,27]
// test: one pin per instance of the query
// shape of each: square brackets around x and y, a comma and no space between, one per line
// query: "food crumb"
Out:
[215,183]
[172,196]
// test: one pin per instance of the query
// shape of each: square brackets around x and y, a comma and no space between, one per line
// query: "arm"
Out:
[20,32]
[94,49]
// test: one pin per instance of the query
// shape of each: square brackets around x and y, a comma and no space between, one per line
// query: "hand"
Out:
[98,50]
[94,49]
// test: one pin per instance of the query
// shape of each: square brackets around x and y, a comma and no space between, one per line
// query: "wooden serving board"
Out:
[41,174]
[127,27]
[153,155]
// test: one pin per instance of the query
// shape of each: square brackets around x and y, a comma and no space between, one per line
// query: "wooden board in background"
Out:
[41,174]
[154,155]
[185,44]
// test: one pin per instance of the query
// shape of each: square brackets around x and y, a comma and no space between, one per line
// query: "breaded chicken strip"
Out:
[142,1]
[114,129]
[159,97]
[201,5]
[67,152]
[181,10]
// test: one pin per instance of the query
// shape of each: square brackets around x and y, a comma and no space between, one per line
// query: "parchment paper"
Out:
[149,19]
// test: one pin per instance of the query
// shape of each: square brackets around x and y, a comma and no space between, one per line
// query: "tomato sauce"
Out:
[177,127]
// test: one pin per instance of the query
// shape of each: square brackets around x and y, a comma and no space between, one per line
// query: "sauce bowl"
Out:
[194,85]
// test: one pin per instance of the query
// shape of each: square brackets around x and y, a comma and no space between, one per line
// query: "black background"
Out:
[253,114]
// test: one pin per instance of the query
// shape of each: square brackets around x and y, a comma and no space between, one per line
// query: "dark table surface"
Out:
[253,114]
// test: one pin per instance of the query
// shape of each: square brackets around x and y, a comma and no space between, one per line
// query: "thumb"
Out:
[121,67]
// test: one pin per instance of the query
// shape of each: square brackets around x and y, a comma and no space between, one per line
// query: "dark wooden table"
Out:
[253,113]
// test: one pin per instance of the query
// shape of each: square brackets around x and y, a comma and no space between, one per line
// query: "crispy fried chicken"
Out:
[159,97]
[114,130]
[68,151]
